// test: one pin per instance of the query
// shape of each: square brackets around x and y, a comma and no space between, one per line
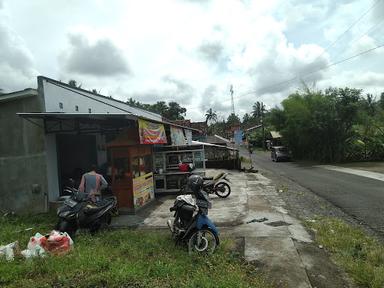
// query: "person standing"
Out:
[92,183]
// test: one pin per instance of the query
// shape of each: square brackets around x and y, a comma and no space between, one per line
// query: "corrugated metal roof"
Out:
[29,92]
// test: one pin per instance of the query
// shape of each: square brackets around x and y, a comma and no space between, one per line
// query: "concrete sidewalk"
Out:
[270,234]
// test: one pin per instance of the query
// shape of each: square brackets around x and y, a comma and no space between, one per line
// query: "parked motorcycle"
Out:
[191,224]
[218,185]
[213,185]
[78,212]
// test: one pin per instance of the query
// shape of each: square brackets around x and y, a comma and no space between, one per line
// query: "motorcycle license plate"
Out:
[70,203]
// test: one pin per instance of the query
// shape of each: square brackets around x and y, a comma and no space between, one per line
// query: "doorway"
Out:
[75,155]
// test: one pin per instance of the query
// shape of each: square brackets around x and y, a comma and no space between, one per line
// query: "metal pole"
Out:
[262,123]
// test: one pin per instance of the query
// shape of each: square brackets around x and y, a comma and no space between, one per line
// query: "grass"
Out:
[361,256]
[245,159]
[121,258]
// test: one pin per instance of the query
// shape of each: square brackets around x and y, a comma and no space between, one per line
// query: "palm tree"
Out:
[210,115]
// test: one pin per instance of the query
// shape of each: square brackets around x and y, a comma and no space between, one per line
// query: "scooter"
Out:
[218,185]
[191,224]
[78,212]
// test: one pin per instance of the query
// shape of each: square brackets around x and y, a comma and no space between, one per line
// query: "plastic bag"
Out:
[9,250]
[36,246]
[59,243]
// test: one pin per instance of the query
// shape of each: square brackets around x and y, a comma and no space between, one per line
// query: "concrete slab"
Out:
[278,256]
[253,198]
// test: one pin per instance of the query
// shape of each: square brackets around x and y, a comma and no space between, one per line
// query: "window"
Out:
[77,108]
[61,106]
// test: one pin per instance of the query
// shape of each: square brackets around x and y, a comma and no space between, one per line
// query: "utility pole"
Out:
[262,123]
[233,103]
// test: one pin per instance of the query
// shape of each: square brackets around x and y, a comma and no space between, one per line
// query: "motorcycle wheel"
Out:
[202,241]
[65,226]
[222,190]
[105,221]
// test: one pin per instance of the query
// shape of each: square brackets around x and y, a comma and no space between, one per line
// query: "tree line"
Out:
[170,111]
[331,125]
[337,124]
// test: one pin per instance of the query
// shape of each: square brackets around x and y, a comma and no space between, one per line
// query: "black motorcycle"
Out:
[78,212]
[218,185]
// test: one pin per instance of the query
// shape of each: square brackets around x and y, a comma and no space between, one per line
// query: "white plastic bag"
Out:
[36,247]
[9,250]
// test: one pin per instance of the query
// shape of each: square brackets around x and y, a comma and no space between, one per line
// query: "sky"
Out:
[192,51]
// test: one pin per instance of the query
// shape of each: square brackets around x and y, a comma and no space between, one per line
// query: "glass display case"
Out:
[168,178]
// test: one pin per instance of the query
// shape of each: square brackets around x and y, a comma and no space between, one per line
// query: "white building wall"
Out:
[62,98]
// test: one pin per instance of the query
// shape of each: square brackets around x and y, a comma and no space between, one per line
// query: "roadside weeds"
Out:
[360,255]
[123,258]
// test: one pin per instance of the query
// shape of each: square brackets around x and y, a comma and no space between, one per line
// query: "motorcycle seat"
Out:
[207,178]
[94,208]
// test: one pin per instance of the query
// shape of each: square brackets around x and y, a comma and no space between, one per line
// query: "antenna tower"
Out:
[232,102]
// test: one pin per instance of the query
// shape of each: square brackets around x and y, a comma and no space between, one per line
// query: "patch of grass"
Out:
[245,159]
[121,258]
[361,256]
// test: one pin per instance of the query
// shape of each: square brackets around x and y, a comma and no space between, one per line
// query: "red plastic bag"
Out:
[58,243]
[183,167]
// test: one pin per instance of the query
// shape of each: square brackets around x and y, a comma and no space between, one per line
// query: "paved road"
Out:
[360,197]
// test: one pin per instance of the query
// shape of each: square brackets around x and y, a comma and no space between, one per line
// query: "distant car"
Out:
[279,153]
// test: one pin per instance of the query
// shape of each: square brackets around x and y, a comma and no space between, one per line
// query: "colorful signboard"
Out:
[151,133]
[143,190]
[177,136]
[188,136]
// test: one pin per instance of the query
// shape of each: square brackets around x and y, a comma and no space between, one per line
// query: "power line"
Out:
[310,73]
[347,30]
[325,50]
[370,30]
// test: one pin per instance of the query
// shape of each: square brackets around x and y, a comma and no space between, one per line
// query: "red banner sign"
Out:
[151,133]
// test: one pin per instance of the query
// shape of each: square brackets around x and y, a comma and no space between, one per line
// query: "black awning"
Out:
[56,122]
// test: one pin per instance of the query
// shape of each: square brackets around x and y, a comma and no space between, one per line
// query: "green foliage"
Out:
[218,128]
[210,115]
[170,111]
[334,125]
[361,256]
[233,119]
[73,83]
[121,258]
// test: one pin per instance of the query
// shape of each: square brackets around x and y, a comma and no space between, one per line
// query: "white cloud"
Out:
[101,58]
[191,51]
[16,62]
